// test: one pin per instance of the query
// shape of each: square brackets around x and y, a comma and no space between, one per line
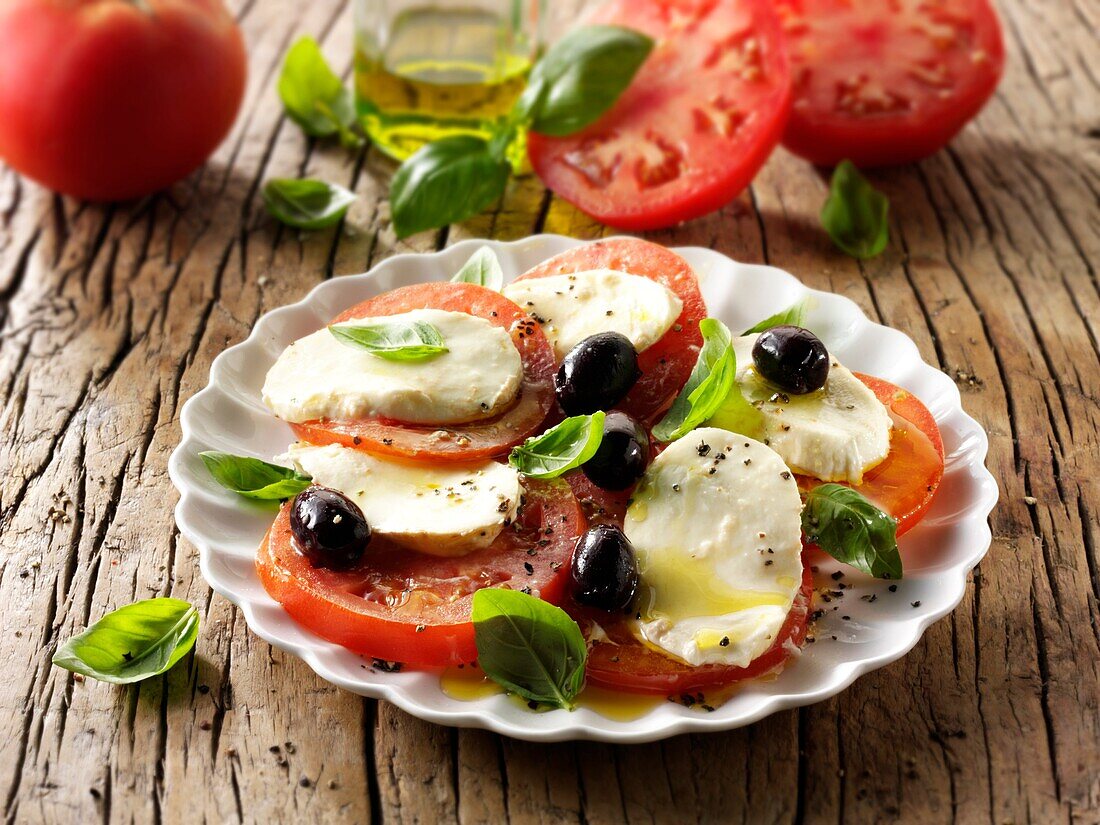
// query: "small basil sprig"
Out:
[529,646]
[852,530]
[482,269]
[561,448]
[794,315]
[135,642]
[253,478]
[314,97]
[854,214]
[393,340]
[306,204]
[707,387]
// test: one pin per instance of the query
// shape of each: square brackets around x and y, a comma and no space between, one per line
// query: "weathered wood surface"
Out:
[110,316]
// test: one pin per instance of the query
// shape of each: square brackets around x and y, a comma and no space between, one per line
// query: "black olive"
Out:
[604,570]
[622,455]
[596,374]
[792,358]
[329,528]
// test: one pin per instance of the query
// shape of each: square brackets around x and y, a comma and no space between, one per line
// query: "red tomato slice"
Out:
[666,364]
[883,82]
[403,606]
[464,442]
[700,118]
[624,663]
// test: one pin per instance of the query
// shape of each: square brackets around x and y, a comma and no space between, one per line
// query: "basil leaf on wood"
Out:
[393,340]
[561,448]
[314,96]
[306,204]
[482,269]
[855,212]
[529,646]
[707,387]
[135,642]
[580,77]
[253,478]
[852,530]
[444,182]
[794,315]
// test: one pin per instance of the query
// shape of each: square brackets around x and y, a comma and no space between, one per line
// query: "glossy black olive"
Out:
[329,528]
[604,570]
[622,455]
[792,358]
[596,374]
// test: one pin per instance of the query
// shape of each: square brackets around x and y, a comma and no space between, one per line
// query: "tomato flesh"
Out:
[883,82]
[700,118]
[402,606]
[666,364]
[464,442]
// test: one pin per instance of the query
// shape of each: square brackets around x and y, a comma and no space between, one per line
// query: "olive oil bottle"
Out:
[423,72]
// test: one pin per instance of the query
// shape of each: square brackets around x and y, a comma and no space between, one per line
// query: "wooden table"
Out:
[110,316]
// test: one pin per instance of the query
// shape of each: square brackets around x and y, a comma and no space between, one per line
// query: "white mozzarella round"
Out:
[716,524]
[835,434]
[572,307]
[439,509]
[320,377]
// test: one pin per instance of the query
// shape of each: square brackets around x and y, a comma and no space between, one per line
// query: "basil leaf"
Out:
[794,315]
[851,529]
[854,214]
[561,448]
[529,646]
[707,387]
[394,341]
[133,643]
[580,77]
[482,269]
[737,414]
[314,96]
[306,204]
[253,478]
[444,182]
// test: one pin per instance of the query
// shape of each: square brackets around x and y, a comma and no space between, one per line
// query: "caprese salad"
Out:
[576,478]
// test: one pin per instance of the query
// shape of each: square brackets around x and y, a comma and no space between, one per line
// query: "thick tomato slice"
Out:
[887,81]
[666,364]
[905,483]
[621,662]
[700,118]
[465,442]
[402,606]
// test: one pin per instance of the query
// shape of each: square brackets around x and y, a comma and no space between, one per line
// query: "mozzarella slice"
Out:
[319,377]
[440,509]
[572,307]
[716,524]
[835,434]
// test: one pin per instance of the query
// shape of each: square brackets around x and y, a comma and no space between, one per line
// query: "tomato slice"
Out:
[700,118]
[402,606]
[464,442]
[666,364]
[882,82]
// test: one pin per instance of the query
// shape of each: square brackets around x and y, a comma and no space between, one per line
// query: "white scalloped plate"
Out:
[228,415]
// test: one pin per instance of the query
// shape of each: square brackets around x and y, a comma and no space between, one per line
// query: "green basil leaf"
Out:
[561,448]
[314,96]
[133,643]
[394,340]
[444,182]
[794,315]
[851,529]
[253,478]
[482,269]
[854,214]
[580,77]
[737,414]
[306,204]
[707,387]
[529,646]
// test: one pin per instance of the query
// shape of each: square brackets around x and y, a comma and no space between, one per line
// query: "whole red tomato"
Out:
[109,99]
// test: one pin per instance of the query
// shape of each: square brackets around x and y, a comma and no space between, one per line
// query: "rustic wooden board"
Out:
[110,316]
